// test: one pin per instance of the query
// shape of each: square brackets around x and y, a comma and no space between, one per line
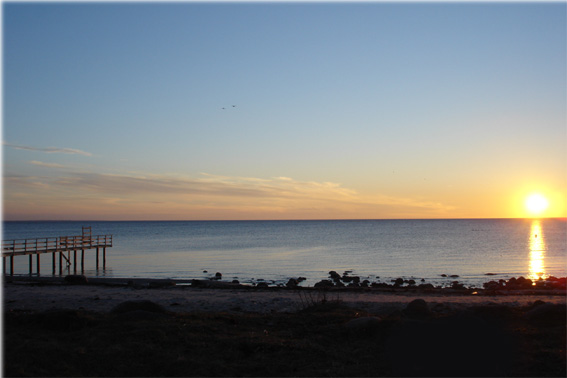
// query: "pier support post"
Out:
[103,257]
[97,257]
[38,264]
[75,261]
[82,260]
[4,265]
[12,265]
[53,264]
[31,264]
[60,263]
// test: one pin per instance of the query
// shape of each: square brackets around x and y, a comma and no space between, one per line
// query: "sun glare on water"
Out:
[536,204]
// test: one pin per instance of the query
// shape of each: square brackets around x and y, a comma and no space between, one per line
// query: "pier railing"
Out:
[62,245]
[54,244]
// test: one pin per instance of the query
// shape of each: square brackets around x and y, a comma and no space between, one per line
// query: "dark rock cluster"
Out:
[346,280]
[522,283]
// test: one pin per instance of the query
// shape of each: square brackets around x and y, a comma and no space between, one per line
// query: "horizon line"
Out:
[270,220]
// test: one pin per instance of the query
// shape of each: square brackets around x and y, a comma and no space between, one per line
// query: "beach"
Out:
[140,327]
[180,296]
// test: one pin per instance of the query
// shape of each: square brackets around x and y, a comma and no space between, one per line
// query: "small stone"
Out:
[218,275]
[417,309]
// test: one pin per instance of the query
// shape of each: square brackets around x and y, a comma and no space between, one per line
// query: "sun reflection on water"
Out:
[537,251]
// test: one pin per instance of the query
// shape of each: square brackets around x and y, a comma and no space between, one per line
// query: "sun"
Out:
[536,204]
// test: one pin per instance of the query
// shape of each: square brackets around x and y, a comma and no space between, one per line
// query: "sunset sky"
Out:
[127,111]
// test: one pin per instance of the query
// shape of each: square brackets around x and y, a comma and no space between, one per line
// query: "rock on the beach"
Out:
[292,283]
[76,279]
[492,285]
[417,309]
[323,284]
[398,281]
[218,275]
[456,285]
[334,276]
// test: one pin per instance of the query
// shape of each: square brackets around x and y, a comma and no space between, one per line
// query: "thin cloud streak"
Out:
[47,165]
[209,196]
[49,150]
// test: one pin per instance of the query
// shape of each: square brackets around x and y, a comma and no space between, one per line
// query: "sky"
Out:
[202,111]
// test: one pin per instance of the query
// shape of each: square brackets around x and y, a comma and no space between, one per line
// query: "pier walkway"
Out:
[62,245]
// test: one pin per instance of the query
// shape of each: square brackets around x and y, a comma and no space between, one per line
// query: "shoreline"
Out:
[103,294]
[54,327]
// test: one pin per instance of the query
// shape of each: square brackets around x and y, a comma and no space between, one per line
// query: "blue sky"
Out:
[368,110]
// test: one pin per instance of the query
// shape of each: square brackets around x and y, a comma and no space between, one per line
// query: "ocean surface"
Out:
[274,251]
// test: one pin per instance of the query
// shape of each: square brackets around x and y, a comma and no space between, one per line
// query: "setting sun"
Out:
[536,204]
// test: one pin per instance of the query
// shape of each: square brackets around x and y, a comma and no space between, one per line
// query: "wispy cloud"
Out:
[49,150]
[47,165]
[264,195]
[213,196]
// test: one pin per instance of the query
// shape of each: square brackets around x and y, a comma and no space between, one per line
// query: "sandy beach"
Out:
[102,295]
[152,328]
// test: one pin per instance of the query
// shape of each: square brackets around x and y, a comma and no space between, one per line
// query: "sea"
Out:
[427,251]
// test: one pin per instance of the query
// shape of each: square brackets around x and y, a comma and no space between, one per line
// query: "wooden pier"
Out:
[62,245]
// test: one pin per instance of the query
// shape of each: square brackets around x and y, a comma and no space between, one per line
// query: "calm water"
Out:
[379,250]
